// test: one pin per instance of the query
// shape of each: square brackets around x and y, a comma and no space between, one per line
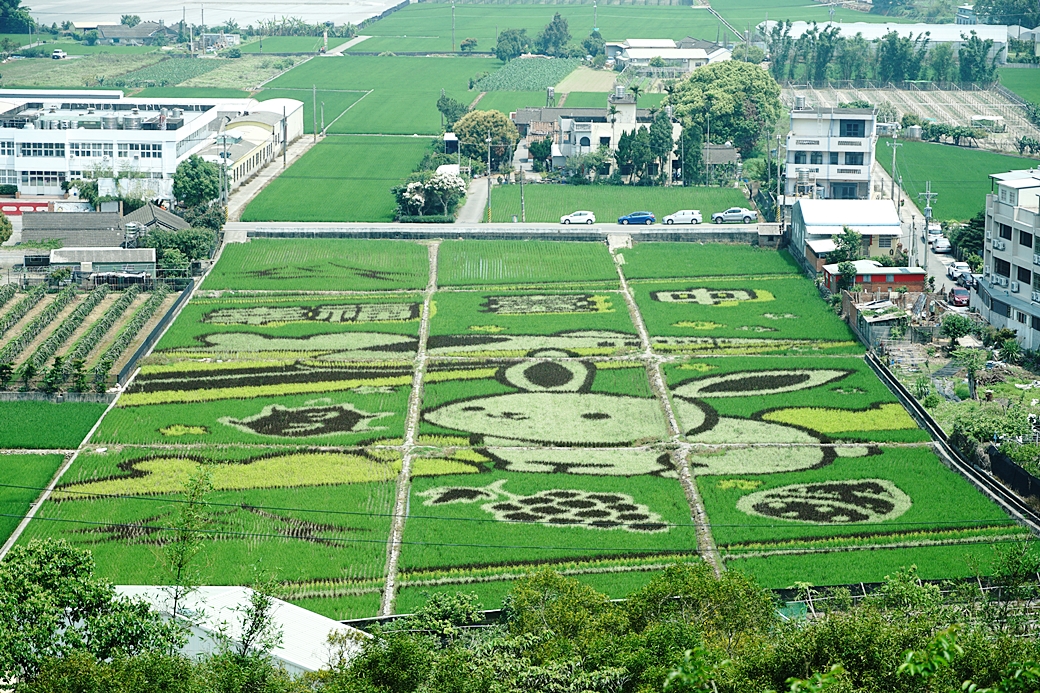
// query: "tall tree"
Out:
[661,142]
[942,62]
[451,109]
[473,130]
[848,247]
[130,20]
[554,37]
[854,57]
[691,148]
[511,44]
[900,57]
[975,63]
[781,46]
[196,181]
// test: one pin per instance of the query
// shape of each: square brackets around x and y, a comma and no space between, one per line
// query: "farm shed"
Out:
[822,220]
[212,610]
[154,217]
[79,229]
[873,276]
[90,261]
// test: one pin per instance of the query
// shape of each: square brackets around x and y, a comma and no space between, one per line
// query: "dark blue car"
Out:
[637,218]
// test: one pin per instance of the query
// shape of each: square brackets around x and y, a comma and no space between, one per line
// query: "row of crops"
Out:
[549,428]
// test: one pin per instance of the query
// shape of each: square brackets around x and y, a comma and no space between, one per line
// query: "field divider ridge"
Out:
[705,542]
[393,548]
[326,128]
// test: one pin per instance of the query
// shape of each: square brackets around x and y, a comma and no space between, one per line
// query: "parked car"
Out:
[59,54]
[637,218]
[579,217]
[734,214]
[934,232]
[968,280]
[959,296]
[957,269]
[941,246]
[684,216]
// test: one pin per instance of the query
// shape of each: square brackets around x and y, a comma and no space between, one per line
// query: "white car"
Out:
[934,233]
[579,217]
[941,246]
[957,269]
[684,216]
[734,214]
[59,54]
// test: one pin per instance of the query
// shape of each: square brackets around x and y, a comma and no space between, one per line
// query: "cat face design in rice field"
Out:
[554,405]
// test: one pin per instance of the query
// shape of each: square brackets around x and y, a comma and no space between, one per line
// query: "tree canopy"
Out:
[196,181]
[554,37]
[743,100]
[473,130]
[511,44]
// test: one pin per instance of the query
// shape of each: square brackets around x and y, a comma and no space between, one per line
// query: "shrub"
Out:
[8,189]
[432,219]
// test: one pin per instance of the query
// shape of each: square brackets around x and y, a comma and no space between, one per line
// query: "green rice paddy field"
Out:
[959,174]
[552,425]
[546,203]
[340,179]
[1024,82]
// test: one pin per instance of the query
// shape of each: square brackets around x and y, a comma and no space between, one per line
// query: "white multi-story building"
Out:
[1009,293]
[48,137]
[830,153]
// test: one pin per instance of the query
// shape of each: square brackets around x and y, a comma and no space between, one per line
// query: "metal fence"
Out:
[154,335]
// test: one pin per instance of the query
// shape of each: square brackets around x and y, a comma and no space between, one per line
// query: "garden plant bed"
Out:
[742,427]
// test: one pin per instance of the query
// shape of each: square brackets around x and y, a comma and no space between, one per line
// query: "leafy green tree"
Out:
[206,216]
[744,101]
[954,326]
[554,37]
[661,142]
[444,613]
[188,534]
[975,63]
[192,244]
[848,247]
[899,58]
[53,605]
[196,182]
[5,228]
[748,54]
[451,109]
[468,45]
[512,43]
[943,62]
[781,47]
[854,57]
[540,150]
[846,275]
[1021,12]
[593,44]
[173,259]
[972,361]
[691,148]
[90,37]
[473,130]
[130,20]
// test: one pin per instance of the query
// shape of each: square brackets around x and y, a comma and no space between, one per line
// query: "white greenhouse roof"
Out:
[938,33]
[649,43]
[70,255]
[666,53]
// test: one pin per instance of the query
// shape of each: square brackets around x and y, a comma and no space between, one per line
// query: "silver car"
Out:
[684,216]
[941,246]
[734,214]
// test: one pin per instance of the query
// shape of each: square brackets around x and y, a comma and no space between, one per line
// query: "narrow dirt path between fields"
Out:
[92,317]
[393,548]
[46,332]
[705,542]
[110,336]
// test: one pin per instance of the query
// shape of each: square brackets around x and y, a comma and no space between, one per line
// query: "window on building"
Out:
[154,151]
[42,149]
[1000,308]
[799,157]
[1005,231]
[604,141]
[1036,281]
[43,178]
[890,278]
[815,157]
[9,177]
[843,191]
[885,242]
[1003,194]
[1020,316]
[1001,267]
[1036,323]
[1024,275]
[585,142]
[90,149]
[852,128]
[1025,238]
[833,158]
[6,148]
[853,158]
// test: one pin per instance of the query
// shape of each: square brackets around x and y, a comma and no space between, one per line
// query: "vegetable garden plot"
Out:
[677,260]
[46,425]
[540,402]
[320,265]
[302,515]
[205,322]
[528,74]
[33,473]
[792,399]
[493,519]
[524,263]
[878,493]
[296,403]
[771,310]
[473,322]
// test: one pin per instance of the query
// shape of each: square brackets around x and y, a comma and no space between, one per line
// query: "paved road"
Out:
[710,232]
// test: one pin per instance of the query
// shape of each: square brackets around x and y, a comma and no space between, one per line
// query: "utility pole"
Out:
[927,195]
[285,137]
[523,207]
[893,144]
[779,207]
[314,110]
[322,118]
[595,17]
[489,177]
[707,150]
[453,26]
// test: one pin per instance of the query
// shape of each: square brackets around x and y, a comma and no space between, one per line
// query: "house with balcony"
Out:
[830,153]
[1008,295]
[815,223]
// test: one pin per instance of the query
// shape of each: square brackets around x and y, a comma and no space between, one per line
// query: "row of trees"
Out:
[687,630]
[822,54]
[554,40]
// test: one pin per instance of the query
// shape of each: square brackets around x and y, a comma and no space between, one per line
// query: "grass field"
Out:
[476,263]
[340,179]
[595,99]
[1024,82]
[33,473]
[334,102]
[740,13]
[191,93]
[77,48]
[546,203]
[960,175]
[405,90]
[427,27]
[320,265]
[45,425]
[87,71]
[507,101]
[665,260]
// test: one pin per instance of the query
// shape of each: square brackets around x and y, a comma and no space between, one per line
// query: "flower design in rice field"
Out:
[829,502]
[546,304]
[337,313]
[316,420]
[554,507]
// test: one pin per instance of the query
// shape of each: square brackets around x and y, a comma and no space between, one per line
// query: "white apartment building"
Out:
[830,153]
[48,137]
[1009,293]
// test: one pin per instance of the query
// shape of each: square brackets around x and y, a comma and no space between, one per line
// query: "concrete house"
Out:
[144,34]
[815,223]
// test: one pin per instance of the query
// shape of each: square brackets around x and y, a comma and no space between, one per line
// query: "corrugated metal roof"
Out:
[862,213]
[80,229]
[151,216]
[125,255]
